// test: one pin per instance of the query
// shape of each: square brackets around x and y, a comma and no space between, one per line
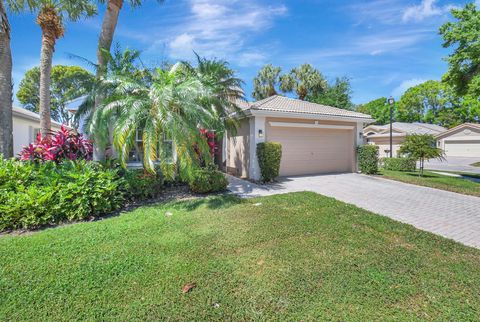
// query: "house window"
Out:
[136,154]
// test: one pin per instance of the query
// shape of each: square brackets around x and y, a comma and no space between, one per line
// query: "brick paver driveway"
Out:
[444,213]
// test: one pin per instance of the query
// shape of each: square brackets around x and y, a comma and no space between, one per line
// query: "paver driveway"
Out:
[444,213]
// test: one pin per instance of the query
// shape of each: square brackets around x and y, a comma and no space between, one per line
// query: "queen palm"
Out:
[6,137]
[107,32]
[50,17]
[169,103]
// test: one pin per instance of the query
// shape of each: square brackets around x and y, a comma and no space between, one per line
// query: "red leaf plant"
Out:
[65,144]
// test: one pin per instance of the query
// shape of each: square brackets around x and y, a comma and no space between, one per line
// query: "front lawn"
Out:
[437,181]
[297,256]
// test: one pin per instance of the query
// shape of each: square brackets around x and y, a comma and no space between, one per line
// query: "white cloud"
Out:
[405,85]
[426,9]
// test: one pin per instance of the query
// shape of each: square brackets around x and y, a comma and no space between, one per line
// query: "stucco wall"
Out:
[238,146]
[23,132]
[384,145]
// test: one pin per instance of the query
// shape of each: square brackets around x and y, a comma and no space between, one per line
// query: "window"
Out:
[136,154]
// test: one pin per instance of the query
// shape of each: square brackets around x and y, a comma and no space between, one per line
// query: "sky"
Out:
[383,46]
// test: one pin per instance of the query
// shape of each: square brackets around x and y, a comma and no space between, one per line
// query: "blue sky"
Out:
[383,46]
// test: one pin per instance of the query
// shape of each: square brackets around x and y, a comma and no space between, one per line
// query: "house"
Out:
[26,125]
[380,134]
[461,141]
[315,138]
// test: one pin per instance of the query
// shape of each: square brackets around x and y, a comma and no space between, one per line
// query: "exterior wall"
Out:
[238,150]
[329,155]
[465,136]
[23,132]
[384,145]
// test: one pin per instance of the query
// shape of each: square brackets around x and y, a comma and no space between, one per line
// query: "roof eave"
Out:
[263,112]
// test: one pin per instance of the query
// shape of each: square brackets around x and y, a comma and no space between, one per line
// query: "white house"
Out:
[461,141]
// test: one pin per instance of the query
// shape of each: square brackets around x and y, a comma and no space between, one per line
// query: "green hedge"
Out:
[269,155]
[368,159]
[140,185]
[34,195]
[399,164]
[208,180]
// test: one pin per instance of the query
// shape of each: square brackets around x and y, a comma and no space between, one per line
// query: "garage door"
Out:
[313,151]
[462,148]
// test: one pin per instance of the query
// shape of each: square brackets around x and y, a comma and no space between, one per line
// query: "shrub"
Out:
[63,145]
[140,185]
[368,159]
[269,155]
[207,180]
[399,164]
[34,195]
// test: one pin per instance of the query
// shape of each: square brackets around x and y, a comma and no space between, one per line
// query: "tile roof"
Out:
[289,105]
[26,114]
[408,128]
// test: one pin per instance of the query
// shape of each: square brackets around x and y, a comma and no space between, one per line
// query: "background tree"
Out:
[67,83]
[339,94]
[6,127]
[50,17]
[304,81]
[421,147]
[109,24]
[266,82]
[378,109]
[464,63]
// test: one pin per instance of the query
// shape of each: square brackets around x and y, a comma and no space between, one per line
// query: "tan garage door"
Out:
[312,151]
[462,148]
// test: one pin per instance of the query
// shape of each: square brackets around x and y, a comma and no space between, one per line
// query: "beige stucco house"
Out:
[315,138]
[26,125]
[380,135]
[461,141]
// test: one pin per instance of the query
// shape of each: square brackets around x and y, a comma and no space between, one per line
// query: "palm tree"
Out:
[168,103]
[304,80]
[266,82]
[6,136]
[105,40]
[51,14]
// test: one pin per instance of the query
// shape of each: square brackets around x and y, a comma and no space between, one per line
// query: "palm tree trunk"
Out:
[44,91]
[105,42]
[6,127]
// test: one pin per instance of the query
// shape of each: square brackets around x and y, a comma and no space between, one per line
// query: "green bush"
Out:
[34,195]
[140,185]
[399,164]
[269,155]
[207,180]
[368,159]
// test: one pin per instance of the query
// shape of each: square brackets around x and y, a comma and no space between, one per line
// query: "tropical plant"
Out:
[269,156]
[109,24]
[368,158]
[68,83]
[304,81]
[421,147]
[63,145]
[50,17]
[6,122]
[266,82]
[464,62]
[378,109]
[207,180]
[338,94]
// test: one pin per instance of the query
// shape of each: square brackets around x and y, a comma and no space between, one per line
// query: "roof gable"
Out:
[464,126]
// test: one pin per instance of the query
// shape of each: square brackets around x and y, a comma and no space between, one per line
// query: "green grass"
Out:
[437,181]
[476,164]
[298,256]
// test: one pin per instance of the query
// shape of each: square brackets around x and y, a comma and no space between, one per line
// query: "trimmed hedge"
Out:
[399,164]
[368,159]
[269,155]
[207,180]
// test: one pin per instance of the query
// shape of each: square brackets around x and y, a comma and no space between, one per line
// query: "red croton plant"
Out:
[63,145]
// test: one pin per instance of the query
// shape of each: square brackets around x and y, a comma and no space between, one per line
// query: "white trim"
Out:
[256,123]
[310,116]
[312,125]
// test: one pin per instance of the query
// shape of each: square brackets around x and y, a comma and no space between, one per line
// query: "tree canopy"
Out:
[68,83]
[378,109]
[338,94]
[304,81]
[421,147]
[267,81]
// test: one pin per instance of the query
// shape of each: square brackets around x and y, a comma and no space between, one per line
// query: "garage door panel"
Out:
[462,148]
[312,151]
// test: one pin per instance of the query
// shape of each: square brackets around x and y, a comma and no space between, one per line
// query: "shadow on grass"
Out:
[213,202]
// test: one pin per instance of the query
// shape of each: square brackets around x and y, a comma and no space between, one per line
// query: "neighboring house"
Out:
[315,138]
[380,134]
[26,125]
[461,141]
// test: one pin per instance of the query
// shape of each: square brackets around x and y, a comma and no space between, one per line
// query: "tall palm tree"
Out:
[304,80]
[266,82]
[168,103]
[109,24]
[6,136]
[50,17]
